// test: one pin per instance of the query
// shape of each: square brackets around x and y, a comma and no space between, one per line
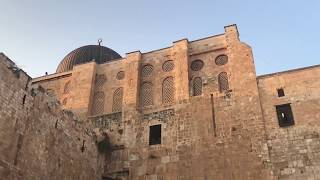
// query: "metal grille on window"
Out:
[100,80]
[120,75]
[197,65]
[66,89]
[168,90]
[98,103]
[197,86]
[117,100]
[223,81]
[146,97]
[221,60]
[146,70]
[168,66]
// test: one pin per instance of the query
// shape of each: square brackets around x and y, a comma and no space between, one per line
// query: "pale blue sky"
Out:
[37,34]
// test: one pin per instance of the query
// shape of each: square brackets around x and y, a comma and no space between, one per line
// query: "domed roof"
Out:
[99,54]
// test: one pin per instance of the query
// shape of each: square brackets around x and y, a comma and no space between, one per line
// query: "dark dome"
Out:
[86,54]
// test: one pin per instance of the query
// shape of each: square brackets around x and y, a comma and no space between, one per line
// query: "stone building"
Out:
[193,111]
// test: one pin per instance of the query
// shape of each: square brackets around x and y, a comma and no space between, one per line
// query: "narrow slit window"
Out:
[280,92]
[285,116]
[155,135]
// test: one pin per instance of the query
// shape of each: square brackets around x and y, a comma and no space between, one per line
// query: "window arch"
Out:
[197,65]
[100,80]
[168,90]
[98,103]
[146,70]
[66,89]
[168,66]
[120,75]
[221,60]
[197,86]
[223,81]
[146,94]
[117,100]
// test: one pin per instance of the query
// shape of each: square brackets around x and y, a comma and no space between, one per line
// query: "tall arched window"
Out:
[98,103]
[197,86]
[117,100]
[223,81]
[100,81]
[146,94]
[168,90]
[66,89]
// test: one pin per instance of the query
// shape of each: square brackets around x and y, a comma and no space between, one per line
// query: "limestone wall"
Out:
[39,140]
[220,133]
[216,135]
[58,85]
[294,150]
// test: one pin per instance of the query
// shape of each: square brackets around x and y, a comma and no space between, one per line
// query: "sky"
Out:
[37,34]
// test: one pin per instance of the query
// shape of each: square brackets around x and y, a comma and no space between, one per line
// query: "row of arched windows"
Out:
[146,92]
[223,84]
[147,69]
[99,101]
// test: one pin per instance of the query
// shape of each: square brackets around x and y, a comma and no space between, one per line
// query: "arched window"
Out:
[98,103]
[100,81]
[146,70]
[168,66]
[117,100]
[221,60]
[66,89]
[197,86]
[168,90]
[197,65]
[120,75]
[146,94]
[223,81]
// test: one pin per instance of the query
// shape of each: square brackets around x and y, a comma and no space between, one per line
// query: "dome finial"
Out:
[99,41]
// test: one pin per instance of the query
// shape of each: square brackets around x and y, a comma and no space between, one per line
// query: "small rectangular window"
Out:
[155,135]
[280,92]
[285,116]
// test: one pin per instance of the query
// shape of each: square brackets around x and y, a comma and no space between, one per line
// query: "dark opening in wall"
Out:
[285,116]
[155,134]
[24,99]
[280,92]
[83,146]
[104,145]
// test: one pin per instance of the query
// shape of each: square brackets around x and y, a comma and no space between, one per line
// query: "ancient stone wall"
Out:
[294,150]
[218,120]
[38,139]
[59,86]
[217,134]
